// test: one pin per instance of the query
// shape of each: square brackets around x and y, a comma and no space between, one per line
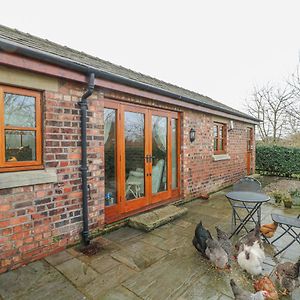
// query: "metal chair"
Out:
[246,184]
[288,224]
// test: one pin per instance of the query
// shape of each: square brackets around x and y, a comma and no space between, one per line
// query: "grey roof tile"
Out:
[46,46]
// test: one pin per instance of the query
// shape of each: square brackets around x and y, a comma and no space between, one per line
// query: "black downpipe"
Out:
[84,168]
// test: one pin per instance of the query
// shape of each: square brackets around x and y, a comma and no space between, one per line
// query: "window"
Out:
[20,129]
[220,135]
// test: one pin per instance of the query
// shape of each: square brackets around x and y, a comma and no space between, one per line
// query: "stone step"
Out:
[155,218]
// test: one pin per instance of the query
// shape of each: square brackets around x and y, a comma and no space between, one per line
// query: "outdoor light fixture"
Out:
[231,125]
[192,134]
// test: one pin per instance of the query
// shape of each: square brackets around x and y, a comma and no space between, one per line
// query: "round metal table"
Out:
[251,201]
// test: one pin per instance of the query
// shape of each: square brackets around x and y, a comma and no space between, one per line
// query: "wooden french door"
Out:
[141,147]
[249,154]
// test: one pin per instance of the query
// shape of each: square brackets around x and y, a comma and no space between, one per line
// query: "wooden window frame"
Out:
[21,165]
[219,139]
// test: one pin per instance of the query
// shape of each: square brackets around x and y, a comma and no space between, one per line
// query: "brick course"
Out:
[38,220]
[42,219]
[200,173]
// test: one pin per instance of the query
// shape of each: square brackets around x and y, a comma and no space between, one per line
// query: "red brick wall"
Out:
[40,219]
[200,173]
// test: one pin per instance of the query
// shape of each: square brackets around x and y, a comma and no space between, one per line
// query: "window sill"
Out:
[218,157]
[24,178]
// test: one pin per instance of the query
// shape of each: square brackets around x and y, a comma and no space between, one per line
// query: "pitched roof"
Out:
[24,39]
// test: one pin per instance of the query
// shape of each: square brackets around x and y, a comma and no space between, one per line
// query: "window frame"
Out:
[218,139]
[21,165]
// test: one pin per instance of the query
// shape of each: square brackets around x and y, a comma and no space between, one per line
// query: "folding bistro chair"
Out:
[246,184]
[288,224]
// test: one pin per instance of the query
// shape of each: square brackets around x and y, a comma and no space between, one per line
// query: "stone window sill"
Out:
[18,179]
[220,157]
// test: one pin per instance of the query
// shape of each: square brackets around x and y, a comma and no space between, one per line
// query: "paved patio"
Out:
[162,264]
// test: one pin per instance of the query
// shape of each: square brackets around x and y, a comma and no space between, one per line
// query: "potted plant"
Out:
[277,195]
[287,200]
[284,197]
[295,196]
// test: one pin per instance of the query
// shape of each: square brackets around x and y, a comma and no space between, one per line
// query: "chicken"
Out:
[268,230]
[216,254]
[200,238]
[266,284]
[225,242]
[242,294]
[250,259]
[249,239]
[287,275]
[258,250]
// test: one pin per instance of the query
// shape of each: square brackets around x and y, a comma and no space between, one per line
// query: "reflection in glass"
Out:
[221,137]
[174,153]
[110,156]
[215,137]
[19,110]
[159,154]
[134,155]
[19,145]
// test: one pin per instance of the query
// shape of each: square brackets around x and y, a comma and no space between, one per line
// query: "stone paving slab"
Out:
[103,284]
[161,264]
[166,279]
[77,272]
[100,263]
[139,255]
[120,293]
[123,234]
[58,258]
[37,281]
[156,218]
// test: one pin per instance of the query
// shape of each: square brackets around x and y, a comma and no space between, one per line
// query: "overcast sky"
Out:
[217,48]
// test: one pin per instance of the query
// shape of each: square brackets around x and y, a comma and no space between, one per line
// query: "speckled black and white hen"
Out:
[225,242]
[216,254]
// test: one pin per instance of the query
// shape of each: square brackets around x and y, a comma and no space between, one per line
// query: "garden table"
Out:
[251,201]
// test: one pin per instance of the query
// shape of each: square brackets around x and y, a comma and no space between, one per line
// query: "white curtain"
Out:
[160,133]
[107,126]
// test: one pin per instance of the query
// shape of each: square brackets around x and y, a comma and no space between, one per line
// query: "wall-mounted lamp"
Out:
[231,125]
[192,134]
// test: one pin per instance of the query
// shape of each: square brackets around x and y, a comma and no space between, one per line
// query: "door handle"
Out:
[151,158]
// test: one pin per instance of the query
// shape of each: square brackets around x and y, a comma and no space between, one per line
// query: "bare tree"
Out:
[294,110]
[270,104]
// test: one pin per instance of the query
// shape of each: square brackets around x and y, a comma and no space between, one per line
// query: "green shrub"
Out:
[278,161]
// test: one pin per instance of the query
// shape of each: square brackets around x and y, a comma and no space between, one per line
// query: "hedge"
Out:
[278,161]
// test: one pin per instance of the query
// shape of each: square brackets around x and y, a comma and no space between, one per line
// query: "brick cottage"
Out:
[84,143]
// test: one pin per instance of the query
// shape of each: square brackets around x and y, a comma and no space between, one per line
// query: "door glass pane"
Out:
[19,110]
[110,156]
[19,145]
[174,154]
[159,154]
[134,127]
